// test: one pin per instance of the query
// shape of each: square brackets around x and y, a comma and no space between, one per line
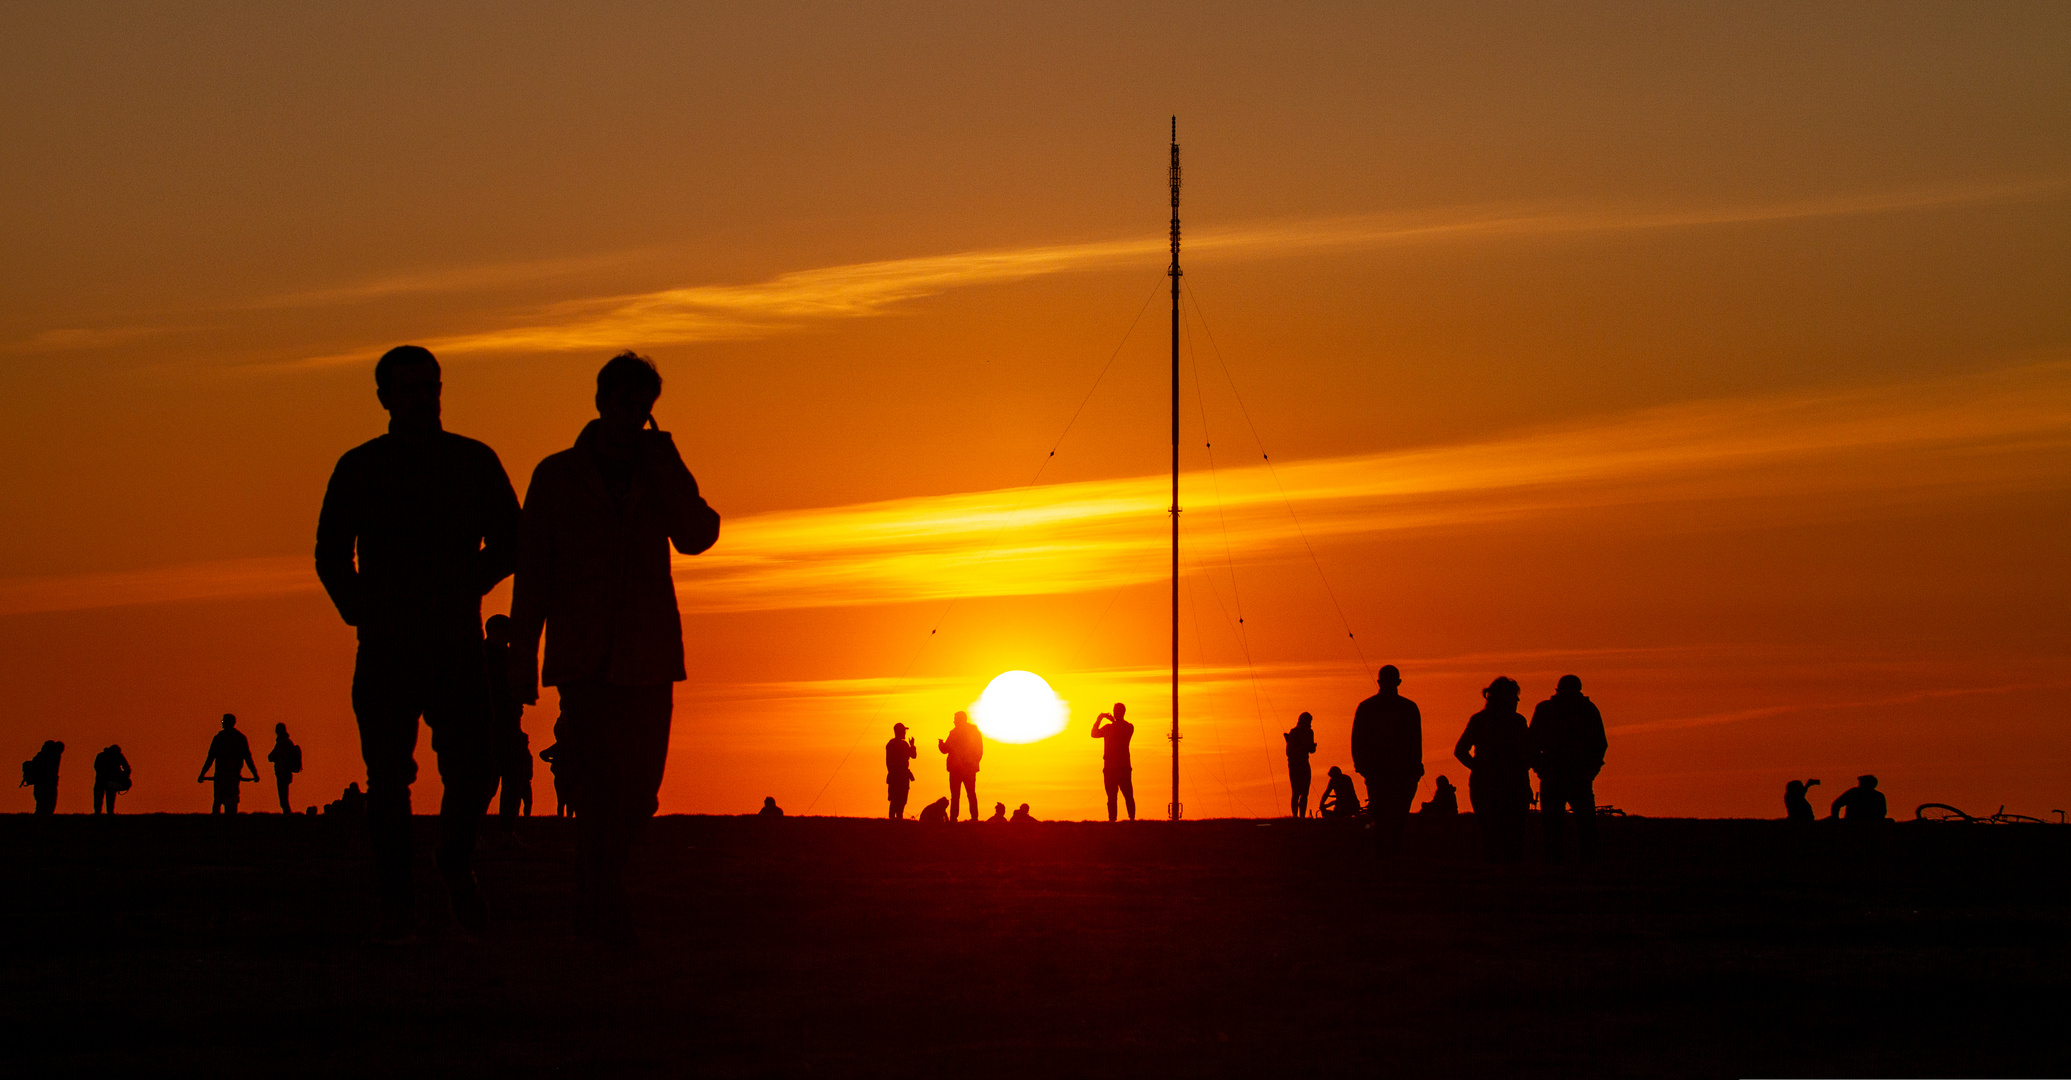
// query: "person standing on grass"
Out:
[593,577]
[1301,742]
[1496,750]
[964,747]
[899,753]
[287,761]
[1114,757]
[110,778]
[1568,745]
[1388,751]
[230,754]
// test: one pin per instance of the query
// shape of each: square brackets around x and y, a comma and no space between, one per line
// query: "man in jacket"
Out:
[1567,745]
[230,754]
[1388,752]
[416,526]
[593,575]
[964,747]
[898,770]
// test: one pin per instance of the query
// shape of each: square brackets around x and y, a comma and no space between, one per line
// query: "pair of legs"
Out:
[1388,802]
[46,798]
[895,794]
[1556,795]
[441,680]
[517,797]
[616,738]
[104,797]
[1298,789]
[967,785]
[1118,780]
[1500,808]
[226,797]
[281,780]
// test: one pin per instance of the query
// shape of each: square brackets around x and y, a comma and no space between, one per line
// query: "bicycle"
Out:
[1943,812]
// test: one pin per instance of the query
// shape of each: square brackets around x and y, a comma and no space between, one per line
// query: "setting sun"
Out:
[1019,707]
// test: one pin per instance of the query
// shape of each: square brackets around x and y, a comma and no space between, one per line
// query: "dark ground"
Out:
[159,945]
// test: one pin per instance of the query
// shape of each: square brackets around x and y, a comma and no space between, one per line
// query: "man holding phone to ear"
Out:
[593,576]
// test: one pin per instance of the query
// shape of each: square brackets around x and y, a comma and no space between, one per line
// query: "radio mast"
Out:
[1174,808]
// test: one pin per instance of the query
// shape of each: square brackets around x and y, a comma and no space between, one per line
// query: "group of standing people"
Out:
[1564,743]
[964,748]
[230,754]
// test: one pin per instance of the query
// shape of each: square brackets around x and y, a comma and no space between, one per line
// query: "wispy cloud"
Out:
[231,579]
[696,313]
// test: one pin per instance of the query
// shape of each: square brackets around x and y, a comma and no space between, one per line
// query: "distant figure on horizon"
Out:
[417,526]
[1022,816]
[110,778]
[1301,742]
[1496,750]
[1797,809]
[1863,804]
[1568,744]
[964,747]
[593,576]
[516,780]
[40,776]
[1340,799]
[287,761]
[936,812]
[770,807]
[1444,801]
[510,750]
[556,775]
[898,770]
[999,813]
[1388,751]
[229,754]
[1114,757]
[349,802]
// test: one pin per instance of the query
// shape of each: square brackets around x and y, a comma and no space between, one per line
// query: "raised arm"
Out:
[693,526]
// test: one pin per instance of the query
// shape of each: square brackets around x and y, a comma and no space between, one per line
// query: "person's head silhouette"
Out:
[1389,678]
[1444,783]
[1569,684]
[769,801]
[229,721]
[406,380]
[1335,771]
[1304,720]
[1503,694]
[627,387]
[497,631]
[281,730]
[1869,782]
[1120,710]
[961,718]
[898,731]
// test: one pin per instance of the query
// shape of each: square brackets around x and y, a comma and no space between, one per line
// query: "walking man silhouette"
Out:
[229,754]
[1114,757]
[964,746]
[1301,742]
[287,761]
[110,778]
[40,775]
[1388,752]
[593,576]
[417,525]
[898,770]
[1496,750]
[1567,745]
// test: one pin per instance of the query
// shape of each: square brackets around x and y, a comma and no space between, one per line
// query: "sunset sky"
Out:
[1719,354]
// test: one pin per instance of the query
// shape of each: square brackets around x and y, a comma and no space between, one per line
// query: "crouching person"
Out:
[593,576]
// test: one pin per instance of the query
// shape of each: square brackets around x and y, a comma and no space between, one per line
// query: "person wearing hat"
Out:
[1388,752]
[898,772]
[1567,746]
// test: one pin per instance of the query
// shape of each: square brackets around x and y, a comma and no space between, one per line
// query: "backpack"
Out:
[32,772]
[294,761]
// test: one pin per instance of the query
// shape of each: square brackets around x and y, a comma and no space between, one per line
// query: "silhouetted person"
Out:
[964,747]
[1114,757]
[516,780]
[417,525]
[936,812]
[40,776]
[999,813]
[1444,801]
[1797,809]
[1862,804]
[562,788]
[350,801]
[1388,751]
[1022,816]
[1301,742]
[1340,799]
[230,754]
[287,761]
[1568,744]
[898,770]
[593,576]
[1496,750]
[770,807]
[110,778]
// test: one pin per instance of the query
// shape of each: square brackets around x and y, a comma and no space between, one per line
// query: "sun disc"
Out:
[1019,707]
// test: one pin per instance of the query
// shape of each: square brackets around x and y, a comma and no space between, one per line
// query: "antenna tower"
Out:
[1174,809]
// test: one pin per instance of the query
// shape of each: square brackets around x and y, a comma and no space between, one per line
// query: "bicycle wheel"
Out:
[1935,811]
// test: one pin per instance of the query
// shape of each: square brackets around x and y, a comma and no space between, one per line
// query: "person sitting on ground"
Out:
[1022,815]
[1339,800]
[1797,809]
[110,778]
[1444,802]
[936,812]
[349,801]
[1863,803]
[999,812]
[770,807]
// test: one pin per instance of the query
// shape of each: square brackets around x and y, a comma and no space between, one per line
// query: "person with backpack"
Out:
[40,776]
[287,761]
[110,778]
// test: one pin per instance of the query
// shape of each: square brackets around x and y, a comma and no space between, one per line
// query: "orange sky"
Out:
[1717,355]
